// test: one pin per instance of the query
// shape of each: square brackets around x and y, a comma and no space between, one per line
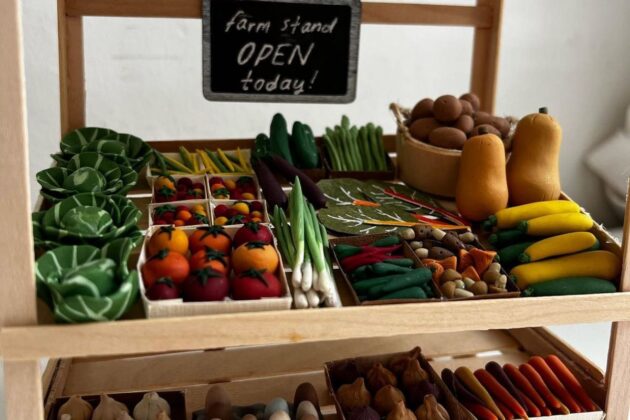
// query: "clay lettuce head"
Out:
[86,172]
[82,283]
[86,218]
[124,149]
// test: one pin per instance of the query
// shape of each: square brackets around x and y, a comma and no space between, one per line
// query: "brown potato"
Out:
[447,108]
[488,129]
[482,117]
[473,99]
[465,123]
[447,137]
[423,109]
[467,108]
[438,253]
[502,125]
[420,129]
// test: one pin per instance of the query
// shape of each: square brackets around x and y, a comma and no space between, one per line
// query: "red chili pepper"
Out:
[506,411]
[444,213]
[570,382]
[499,393]
[554,383]
[480,411]
[538,383]
[532,410]
[352,263]
[523,384]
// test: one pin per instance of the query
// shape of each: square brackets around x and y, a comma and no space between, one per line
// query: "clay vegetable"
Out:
[168,237]
[480,411]
[309,188]
[509,255]
[467,377]
[499,374]
[255,255]
[600,264]
[539,384]
[532,171]
[213,237]
[165,263]
[163,289]
[251,232]
[386,399]
[500,394]
[255,284]
[481,185]
[524,385]
[150,407]
[568,243]
[353,396]
[423,109]
[77,408]
[271,187]
[209,258]
[554,383]
[379,376]
[108,409]
[431,410]
[556,224]
[510,217]
[570,382]
[503,238]
[205,285]
[279,136]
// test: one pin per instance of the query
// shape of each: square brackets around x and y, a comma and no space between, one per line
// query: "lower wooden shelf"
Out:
[257,374]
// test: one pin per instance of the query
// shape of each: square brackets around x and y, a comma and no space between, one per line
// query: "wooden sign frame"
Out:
[353,58]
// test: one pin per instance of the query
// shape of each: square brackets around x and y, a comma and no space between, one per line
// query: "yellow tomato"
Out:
[230,184]
[248,196]
[220,220]
[164,181]
[241,207]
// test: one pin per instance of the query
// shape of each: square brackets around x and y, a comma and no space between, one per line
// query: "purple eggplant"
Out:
[274,194]
[309,188]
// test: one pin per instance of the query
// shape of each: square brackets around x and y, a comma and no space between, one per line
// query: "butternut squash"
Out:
[532,170]
[481,184]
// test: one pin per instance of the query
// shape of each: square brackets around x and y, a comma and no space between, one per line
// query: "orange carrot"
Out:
[532,410]
[470,272]
[465,260]
[570,382]
[472,383]
[499,393]
[523,384]
[554,383]
[505,411]
[545,411]
[482,259]
[538,383]
[481,412]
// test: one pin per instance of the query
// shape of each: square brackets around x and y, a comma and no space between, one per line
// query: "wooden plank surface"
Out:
[278,327]
[89,376]
[384,13]
[485,60]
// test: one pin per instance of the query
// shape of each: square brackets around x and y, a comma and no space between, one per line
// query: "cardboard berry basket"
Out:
[334,370]
[175,399]
[234,178]
[188,203]
[178,307]
[229,203]
[368,239]
[194,178]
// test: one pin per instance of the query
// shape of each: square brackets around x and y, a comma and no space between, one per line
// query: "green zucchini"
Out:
[570,286]
[408,293]
[345,250]
[402,262]
[508,256]
[303,148]
[279,136]
[365,285]
[504,238]
[416,277]
[387,241]
[386,269]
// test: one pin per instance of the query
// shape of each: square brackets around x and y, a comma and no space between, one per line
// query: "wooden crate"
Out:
[258,374]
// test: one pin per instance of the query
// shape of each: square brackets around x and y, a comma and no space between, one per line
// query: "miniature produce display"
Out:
[381,271]
[541,387]
[305,406]
[233,188]
[210,265]
[402,386]
[82,283]
[166,189]
[459,266]
[180,214]
[238,212]
[355,148]
[305,248]
[550,251]
[201,161]
[448,121]
[151,406]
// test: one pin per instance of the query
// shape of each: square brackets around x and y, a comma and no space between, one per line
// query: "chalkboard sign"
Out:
[280,50]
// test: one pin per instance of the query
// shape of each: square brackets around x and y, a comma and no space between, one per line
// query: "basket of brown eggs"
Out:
[431,135]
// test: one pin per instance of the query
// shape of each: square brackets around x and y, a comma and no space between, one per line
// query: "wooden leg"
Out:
[23,391]
[618,372]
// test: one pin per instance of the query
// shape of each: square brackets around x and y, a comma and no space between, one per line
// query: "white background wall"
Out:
[144,77]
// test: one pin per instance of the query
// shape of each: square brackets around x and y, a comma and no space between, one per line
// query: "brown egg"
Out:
[465,123]
[502,125]
[467,108]
[473,99]
[482,117]
[447,108]
[447,137]
[487,127]
[420,129]
[423,109]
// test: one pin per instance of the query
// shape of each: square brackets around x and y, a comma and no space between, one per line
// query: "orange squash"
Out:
[481,184]
[532,170]
[255,255]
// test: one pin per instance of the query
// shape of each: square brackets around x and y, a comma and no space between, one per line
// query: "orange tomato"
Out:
[255,255]
[165,264]
[167,237]
[230,184]
[184,215]
[215,187]
[213,237]
[209,258]
[178,222]
[164,181]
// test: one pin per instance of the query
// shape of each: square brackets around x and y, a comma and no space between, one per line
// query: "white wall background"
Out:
[144,77]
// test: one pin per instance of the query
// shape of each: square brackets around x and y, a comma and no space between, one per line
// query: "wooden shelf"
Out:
[282,327]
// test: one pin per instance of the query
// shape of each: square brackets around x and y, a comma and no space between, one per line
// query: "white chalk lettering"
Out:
[273,85]
[279,55]
[248,49]
[302,57]
[241,22]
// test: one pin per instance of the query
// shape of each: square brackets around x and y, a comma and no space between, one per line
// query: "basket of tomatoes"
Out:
[233,187]
[211,269]
[238,212]
[185,213]
[168,189]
